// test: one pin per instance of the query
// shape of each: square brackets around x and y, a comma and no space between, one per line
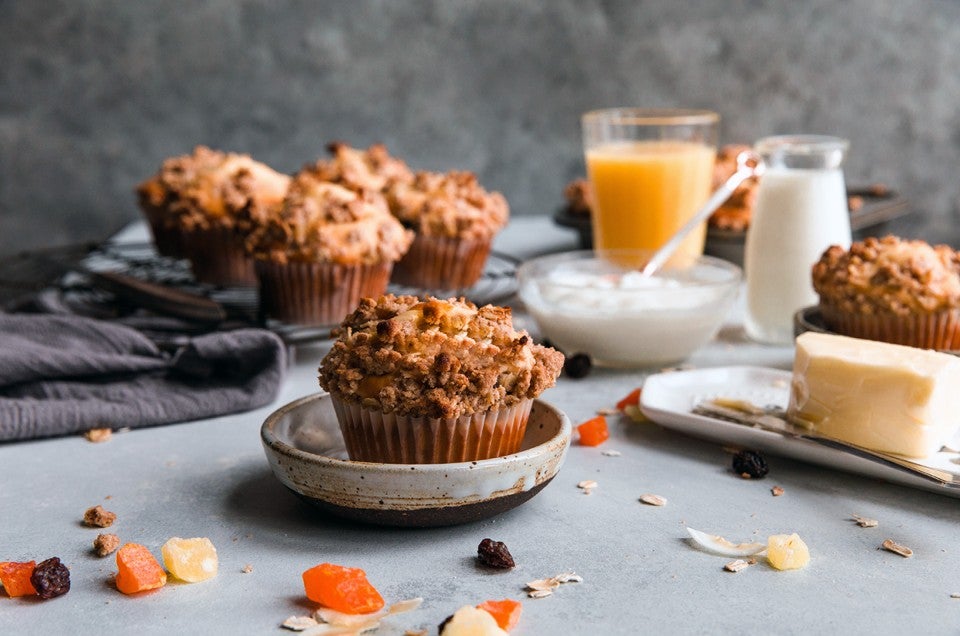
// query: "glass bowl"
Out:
[601,306]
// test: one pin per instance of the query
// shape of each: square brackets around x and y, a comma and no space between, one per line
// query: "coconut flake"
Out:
[892,546]
[718,545]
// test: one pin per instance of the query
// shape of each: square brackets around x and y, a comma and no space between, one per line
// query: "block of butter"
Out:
[883,397]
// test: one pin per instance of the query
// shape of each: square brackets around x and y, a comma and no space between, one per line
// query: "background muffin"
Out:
[455,221]
[325,249]
[893,290]
[434,381]
[195,205]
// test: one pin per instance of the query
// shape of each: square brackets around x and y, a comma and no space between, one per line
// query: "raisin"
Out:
[750,465]
[51,578]
[577,366]
[494,554]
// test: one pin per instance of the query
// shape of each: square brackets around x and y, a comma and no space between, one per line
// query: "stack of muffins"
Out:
[893,290]
[335,232]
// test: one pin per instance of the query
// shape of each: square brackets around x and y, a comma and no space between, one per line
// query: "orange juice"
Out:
[644,191]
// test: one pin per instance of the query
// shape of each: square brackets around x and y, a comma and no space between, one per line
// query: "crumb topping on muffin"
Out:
[889,276]
[435,358]
[370,169]
[210,188]
[321,221]
[579,196]
[452,205]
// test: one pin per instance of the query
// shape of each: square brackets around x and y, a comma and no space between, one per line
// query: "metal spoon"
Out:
[749,164]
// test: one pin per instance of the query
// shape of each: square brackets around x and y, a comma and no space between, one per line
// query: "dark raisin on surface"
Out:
[50,578]
[750,464]
[444,624]
[494,554]
[577,366]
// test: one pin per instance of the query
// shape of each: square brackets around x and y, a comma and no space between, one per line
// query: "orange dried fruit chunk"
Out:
[632,399]
[190,560]
[138,570]
[594,431]
[341,588]
[506,612]
[15,577]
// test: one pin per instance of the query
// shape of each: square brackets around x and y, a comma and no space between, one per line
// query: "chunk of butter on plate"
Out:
[880,396]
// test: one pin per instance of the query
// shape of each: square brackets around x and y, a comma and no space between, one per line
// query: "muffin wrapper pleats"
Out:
[374,436]
[217,256]
[939,330]
[441,263]
[166,237]
[317,293]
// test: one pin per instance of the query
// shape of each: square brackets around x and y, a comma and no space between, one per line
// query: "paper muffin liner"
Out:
[166,237]
[442,263]
[374,436]
[217,257]
[317,293]
[940,330]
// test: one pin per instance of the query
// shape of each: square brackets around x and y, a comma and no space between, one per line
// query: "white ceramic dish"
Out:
[595,305]
[305,449]
[668,399]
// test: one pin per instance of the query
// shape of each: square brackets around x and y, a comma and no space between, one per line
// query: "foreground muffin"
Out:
[455,221]
[434,381]
[326,248]
[893,290]
[194,205]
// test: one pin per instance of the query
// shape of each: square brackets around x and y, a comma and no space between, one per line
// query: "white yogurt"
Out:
[627,319]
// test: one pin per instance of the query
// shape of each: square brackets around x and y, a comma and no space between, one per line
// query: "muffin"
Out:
[194,205]
[325,249]
[434,381]
[454,220]
[893,290]
[579,197]
[733,214]
[370,169]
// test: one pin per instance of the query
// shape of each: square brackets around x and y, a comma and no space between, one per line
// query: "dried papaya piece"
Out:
[594,431]
[506,612]
[632,399]
[341,588]
[15,577]
[138,570]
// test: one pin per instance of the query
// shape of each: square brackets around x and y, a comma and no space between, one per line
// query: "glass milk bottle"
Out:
[800,211]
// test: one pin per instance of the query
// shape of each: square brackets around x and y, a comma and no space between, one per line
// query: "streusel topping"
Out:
[370,169]
[210,188]
[888,276]
[435,358]
[451,205]
[321,221]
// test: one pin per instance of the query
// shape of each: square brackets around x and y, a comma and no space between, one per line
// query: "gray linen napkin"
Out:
[68,374]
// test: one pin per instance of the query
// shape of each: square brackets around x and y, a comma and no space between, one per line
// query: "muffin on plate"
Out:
[370,169]
[195,205]
[454,220]
[893,290]
[325,249]
[434,381]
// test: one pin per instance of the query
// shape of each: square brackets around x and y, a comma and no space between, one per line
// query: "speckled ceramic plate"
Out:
[303,443]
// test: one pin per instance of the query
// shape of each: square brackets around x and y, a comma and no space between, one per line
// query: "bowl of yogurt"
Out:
[601,305]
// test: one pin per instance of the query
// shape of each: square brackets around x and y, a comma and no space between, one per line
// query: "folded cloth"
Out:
[62,374]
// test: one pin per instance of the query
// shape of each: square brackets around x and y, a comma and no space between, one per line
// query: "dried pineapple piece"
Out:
[787,552]
[190,560]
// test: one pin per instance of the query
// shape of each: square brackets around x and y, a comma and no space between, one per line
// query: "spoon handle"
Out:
[749,164]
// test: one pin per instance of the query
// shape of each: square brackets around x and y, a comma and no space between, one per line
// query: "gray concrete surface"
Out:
[95,93]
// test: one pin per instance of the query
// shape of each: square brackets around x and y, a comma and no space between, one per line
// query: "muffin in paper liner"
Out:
[442,263]
[166,236]
[317,293]
[217,256]
[374,436]
[937,330]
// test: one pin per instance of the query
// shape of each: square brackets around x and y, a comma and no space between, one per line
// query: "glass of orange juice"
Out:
[650,170]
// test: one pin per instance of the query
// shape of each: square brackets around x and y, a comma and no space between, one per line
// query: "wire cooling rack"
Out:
[241,304]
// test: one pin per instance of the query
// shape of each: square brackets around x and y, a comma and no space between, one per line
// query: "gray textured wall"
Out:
[95,93]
